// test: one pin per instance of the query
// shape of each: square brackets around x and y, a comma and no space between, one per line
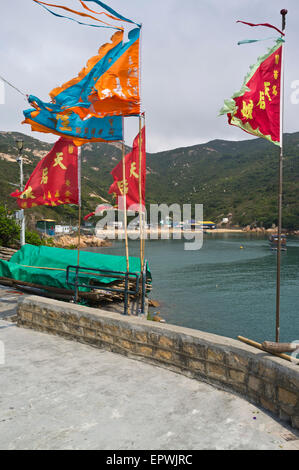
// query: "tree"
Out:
[9,229]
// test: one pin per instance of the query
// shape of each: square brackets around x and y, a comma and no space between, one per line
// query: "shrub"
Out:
[9,229]
[33,238]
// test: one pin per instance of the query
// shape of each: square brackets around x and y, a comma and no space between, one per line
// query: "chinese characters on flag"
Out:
[256,108]
[129,186]
[54,180]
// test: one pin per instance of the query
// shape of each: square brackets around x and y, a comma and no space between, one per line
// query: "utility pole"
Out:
[20,144]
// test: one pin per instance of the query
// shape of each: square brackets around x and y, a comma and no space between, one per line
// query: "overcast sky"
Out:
[190,62]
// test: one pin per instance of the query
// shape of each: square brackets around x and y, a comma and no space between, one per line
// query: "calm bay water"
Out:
[222,288]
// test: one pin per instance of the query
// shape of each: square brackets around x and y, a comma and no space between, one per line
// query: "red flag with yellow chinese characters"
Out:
[54,180]
[256,107]
[130,187]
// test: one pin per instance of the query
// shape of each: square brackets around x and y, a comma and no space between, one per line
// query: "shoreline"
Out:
[104,238]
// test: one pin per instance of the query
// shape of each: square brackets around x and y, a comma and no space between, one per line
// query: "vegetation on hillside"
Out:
[237,178]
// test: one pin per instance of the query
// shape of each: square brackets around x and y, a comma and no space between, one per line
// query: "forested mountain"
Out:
[227,177]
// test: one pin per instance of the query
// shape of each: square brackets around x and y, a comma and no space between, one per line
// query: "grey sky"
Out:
[190,62]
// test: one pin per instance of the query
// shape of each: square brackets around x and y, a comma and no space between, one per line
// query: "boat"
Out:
[99,280]
[273,241]
[207,225]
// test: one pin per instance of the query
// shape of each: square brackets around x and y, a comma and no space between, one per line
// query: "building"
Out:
[62,229]
[46,226]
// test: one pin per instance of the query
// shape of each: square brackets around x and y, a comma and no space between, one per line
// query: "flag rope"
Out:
[12,86]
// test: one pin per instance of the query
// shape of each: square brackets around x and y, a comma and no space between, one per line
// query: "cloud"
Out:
[190,62]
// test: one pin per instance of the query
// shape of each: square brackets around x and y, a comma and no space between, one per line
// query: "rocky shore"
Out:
[268,230]
[68,241]
[248,228]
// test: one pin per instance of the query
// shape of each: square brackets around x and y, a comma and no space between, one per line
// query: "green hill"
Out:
[227,177]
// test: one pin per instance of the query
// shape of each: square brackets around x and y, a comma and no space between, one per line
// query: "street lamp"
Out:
[20,145]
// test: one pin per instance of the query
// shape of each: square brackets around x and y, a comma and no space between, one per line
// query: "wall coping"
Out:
[211,338]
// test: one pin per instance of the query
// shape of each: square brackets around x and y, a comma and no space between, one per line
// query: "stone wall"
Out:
[265,380]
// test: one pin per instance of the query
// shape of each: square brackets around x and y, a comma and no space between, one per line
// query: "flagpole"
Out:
[141,215]
[79,203]
[125,206]
[277,329]
[140,197]
[144,217]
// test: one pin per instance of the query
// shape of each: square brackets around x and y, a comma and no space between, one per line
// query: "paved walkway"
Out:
[8,302]
[59,394]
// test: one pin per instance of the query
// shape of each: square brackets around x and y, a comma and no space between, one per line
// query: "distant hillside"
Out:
[238,178]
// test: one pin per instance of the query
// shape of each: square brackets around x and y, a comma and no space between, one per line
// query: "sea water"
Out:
[228,287]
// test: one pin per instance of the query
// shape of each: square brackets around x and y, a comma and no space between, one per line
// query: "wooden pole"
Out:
[125,206]
[141,218]
[144,219]
[277,326]
[79,203]
[259,346]
[79,220]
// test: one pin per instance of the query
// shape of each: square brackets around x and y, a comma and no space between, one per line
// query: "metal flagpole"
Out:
[277,330]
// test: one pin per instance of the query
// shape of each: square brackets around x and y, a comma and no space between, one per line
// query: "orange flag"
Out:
[108,85]
[54,180]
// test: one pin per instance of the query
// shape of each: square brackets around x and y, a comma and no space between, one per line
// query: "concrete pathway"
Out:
[59,394]
[8,301]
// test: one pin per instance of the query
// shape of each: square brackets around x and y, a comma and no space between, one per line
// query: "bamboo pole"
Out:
[141,214]
[277,326]
[79,203]
[259,346]
[140,197]
[144,219]
[79,234]
[125,206]
[79,219]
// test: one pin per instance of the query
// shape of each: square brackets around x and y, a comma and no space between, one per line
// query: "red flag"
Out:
[99,210]
[256,108]
[86,217]
[54,180]
[130,188]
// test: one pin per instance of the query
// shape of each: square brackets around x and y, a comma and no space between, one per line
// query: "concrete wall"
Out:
[265,380]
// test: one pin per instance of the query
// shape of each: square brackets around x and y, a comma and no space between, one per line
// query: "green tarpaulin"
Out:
[26,264]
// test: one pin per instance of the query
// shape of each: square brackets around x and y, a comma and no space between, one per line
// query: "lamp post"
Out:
[20,144]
